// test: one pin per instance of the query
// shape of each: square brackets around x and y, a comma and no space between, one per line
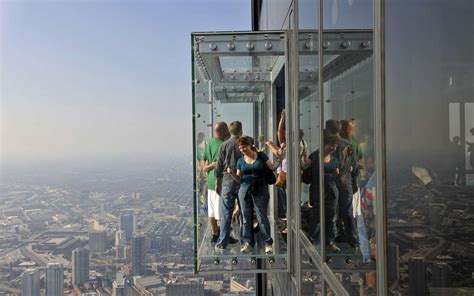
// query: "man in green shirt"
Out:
[221,133]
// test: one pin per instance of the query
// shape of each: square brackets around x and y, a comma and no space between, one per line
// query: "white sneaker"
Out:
[246,248]
[268,249]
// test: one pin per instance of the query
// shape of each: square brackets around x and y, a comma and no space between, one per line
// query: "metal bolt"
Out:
[213,46]
[250,46]
[326,44]
[268,45]
[346,44]
[231,45]
[366,43]
[308,44]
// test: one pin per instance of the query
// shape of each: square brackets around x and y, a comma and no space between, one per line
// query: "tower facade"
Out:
[55,280]
[80,266]
[30,285]
[138,255]
[97,241]
[127,223]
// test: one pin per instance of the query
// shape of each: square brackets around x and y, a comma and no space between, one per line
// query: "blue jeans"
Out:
[255,198]
[363,240]
[229,195]
[330,209]
[281,202]
[345,210]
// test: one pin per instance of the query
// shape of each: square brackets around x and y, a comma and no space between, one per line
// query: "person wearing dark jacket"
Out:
[226,185]
[331,193]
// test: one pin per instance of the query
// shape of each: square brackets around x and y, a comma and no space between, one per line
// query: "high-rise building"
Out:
[441,275]
[54,279]
[138,256]
[185,286]
[122,252]
[393,256]
[30,283]
[120,238]
[80,266]
[97,241]
[127,223]
[118,286]
[416,276]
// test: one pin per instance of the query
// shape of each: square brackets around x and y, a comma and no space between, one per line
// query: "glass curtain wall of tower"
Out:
[429,74]
[426,138]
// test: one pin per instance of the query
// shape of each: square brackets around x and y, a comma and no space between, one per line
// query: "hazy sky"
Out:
[102,79]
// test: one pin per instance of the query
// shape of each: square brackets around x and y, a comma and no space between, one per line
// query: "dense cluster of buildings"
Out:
[65,240]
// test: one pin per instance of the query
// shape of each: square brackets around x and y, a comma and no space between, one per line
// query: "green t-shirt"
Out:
[357,148]
[210,154]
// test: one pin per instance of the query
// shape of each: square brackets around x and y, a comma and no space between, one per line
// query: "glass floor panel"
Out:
[212,259]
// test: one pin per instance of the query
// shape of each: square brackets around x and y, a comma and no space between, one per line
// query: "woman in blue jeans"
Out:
[253,193]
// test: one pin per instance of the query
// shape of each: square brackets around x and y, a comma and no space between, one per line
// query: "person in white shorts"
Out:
[221,133]
[213,204]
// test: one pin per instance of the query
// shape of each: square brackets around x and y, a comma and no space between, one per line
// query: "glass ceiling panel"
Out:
[310,63]
[242,64]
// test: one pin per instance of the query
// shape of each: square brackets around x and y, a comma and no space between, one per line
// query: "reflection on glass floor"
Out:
[212,259]
[356,281]
[346,260]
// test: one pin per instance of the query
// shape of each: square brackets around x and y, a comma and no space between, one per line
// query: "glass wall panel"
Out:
[239,216]
[309,133]
[348,144]
[429,139]
[311,278]
[203,132]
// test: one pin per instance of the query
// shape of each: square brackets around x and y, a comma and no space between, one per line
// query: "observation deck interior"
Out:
[244,76]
